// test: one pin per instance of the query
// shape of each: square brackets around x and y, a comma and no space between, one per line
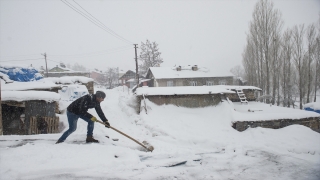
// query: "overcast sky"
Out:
[210,33]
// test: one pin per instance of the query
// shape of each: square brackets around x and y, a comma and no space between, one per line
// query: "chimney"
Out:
[179,68]
[194,68]
[62,65]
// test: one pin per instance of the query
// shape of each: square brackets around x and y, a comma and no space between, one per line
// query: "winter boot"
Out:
[90,139]
[59,142]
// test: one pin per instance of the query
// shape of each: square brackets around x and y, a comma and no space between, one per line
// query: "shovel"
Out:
[149,148]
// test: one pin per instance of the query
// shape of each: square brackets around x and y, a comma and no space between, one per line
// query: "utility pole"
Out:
[45,58]
[137,75]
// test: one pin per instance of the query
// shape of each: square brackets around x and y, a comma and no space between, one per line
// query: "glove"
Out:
[107,124]
[94,119]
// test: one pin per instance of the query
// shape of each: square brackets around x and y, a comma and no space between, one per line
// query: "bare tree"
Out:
[111,78]
[149,56]
[311,34]
[286,77]
[317,63]
[299,58]
[317,67]
[263,40]
[78,67]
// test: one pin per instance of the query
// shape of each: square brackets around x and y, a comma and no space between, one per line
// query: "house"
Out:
[186,76]
[61,70]
[98,76]
[129,79]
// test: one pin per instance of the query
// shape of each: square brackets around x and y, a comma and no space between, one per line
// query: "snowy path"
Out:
[202,137]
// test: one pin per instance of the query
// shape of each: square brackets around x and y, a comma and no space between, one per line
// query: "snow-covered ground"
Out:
[203,137]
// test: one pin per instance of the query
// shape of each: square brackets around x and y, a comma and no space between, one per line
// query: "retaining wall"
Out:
[311,122]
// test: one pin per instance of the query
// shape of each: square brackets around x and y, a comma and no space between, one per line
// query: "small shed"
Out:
[184,96]
[29,112]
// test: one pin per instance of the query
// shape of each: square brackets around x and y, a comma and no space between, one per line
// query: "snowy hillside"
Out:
[203,137]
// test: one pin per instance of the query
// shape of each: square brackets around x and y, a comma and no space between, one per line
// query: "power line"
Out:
[20,55]
[100,52]
[22,60]
[95,21]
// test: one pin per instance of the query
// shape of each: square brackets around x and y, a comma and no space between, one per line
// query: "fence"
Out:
[52,125]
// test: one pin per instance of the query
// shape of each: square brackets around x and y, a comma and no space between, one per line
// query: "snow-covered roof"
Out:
[229,87]
[22,86]
[5,78]
[68,79]
[181,90]
[29,95]
[186,72]
[63,68]
[140,80]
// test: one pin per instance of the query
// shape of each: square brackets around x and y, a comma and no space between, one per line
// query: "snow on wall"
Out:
[29,95]
[181,90]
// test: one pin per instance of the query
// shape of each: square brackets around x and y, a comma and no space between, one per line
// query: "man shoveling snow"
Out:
[79,109]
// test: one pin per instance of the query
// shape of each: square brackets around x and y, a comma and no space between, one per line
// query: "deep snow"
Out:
[177,134]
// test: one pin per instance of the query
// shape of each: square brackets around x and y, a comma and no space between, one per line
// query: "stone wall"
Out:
[312,122]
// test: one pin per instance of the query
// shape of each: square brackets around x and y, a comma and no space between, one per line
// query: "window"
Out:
[193,83]
[209,83]
[222,82]
[169,83]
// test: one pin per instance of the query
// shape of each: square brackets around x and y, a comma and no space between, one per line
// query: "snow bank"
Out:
[29,95]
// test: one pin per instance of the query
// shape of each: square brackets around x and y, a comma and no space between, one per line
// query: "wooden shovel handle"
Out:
[123,134]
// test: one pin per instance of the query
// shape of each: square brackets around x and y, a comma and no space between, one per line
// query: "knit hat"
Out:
[100,94]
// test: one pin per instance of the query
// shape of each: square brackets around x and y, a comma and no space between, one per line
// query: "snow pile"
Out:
[201,136]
